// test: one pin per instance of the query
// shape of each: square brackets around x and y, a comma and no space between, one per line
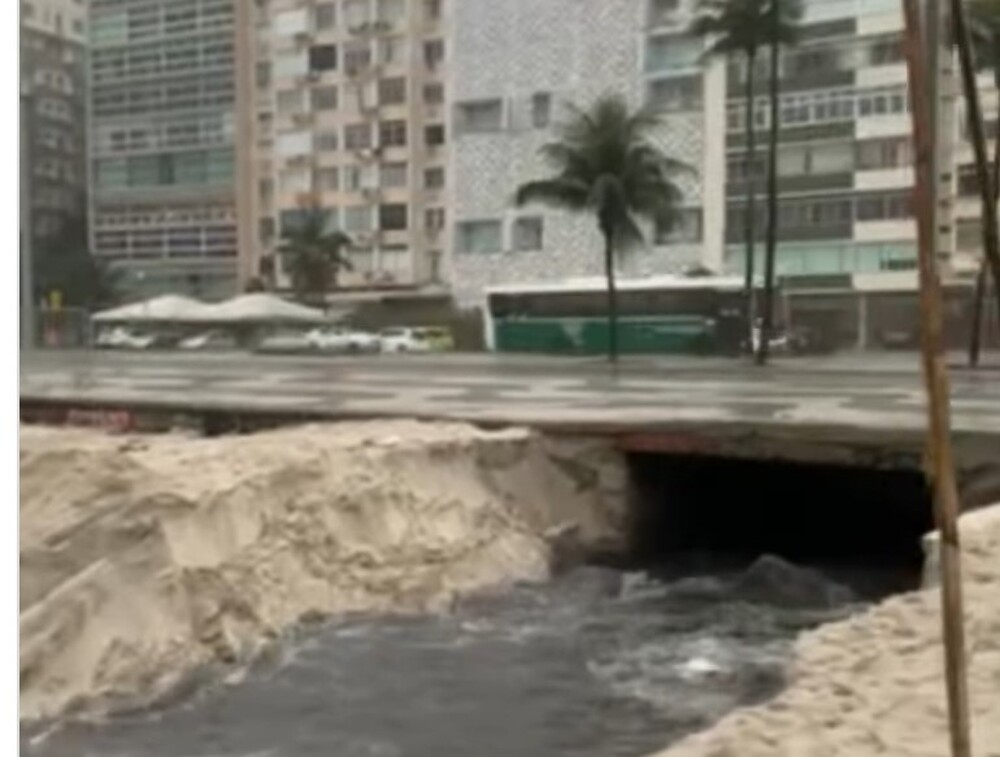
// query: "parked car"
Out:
[338,339]
[208,340]
[439,338]
[285,341]
[121,338]
[403,339]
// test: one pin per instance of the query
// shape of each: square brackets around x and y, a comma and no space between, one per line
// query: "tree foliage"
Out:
[314,254]
[604,163]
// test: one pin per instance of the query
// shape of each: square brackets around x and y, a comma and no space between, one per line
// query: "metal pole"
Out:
[27,262]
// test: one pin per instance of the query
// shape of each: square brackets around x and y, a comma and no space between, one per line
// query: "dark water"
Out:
[596,662]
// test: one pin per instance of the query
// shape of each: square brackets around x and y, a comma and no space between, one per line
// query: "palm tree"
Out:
[314,256]
[977,35]
[605,165]
[783,20]
[741,28]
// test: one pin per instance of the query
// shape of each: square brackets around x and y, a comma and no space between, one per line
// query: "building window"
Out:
[263,75]
[392,134]
[389,11]
[358,177]
[528,234]
[661,11]
[479,237]
[433,94]
[322,58]
[357,136]
[392,217]
[434,135]
[290,102]
[327,141]
[892,152]
[480,117]
[357,57]
[392,50]
[392,91]
[325,16]
[669,52]
[324,98]
[682,93]
[541,109]
[327,179]
[896,205]
[886,51]
[393,175]
[357,218]
[433,52]
[432,10]
[434,178]
[684,226]
[356,13]
[434,219]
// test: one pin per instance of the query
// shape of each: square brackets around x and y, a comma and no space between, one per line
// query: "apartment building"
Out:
[163,144]
[515,65]
[348,115]
[53,97]
[845,160]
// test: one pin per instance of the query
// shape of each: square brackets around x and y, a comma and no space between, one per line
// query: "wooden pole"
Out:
[941,468]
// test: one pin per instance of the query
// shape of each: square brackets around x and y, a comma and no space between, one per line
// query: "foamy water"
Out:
[594,663]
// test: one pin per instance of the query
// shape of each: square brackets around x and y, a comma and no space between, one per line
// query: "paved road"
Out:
[865,393]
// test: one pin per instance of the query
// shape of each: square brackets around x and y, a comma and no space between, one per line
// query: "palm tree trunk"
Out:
[772,199]
[987,190]
[750,220]
[609,272]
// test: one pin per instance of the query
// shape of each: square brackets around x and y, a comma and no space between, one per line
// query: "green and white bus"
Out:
[657,315]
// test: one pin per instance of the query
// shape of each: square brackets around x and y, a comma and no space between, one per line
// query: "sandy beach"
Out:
[146,559]
[873,684]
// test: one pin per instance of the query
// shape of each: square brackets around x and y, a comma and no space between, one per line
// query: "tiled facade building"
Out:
[515,65]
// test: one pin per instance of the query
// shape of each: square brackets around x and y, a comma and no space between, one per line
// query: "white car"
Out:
[208,340]
[337,339]
[285,341]
[403,339]
[122,339]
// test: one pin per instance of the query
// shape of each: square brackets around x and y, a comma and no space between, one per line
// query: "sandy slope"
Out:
[872,685]
[145,558]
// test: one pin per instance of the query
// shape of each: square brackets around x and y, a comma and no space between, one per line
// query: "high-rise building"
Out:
[53,99]
[846,237]
[349,117]
[163,143]
[515,66]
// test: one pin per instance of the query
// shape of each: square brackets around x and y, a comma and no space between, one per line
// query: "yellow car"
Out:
[438,338]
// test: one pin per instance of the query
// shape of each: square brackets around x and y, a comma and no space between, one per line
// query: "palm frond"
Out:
[559,192]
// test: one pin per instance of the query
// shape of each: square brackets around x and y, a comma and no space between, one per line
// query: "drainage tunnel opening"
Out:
[864,525]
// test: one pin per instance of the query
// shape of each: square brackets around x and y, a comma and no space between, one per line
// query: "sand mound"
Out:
[146,558]
[873,684]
